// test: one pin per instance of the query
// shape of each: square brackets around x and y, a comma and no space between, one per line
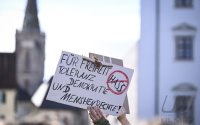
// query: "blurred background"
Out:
[158,39]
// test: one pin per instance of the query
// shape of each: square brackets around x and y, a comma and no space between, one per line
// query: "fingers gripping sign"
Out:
[95,114]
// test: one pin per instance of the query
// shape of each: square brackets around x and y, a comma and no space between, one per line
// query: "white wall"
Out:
[146,73]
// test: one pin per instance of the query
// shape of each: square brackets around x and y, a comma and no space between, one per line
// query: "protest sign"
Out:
[114,61]
[82,82]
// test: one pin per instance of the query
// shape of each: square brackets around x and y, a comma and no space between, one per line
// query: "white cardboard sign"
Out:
[80,82]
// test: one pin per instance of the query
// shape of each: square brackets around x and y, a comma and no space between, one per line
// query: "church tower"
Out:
[30,50]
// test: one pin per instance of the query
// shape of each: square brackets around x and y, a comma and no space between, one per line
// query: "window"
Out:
[26,84]
[27,62]
[184,108]
[183,3]
[2,97]
[184,47]
[2,117]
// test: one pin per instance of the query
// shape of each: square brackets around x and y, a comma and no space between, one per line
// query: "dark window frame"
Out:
[184,47]
[3,98]
[183,3]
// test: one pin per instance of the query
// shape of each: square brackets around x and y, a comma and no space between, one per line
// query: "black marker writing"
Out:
[68,97]
[87,86]
[69,59]
[58,86]
[91,66]
[118,84]
[75,73]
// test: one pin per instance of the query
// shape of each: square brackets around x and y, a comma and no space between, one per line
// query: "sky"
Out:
[107,27]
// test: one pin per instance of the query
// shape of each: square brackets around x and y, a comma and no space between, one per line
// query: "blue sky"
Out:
[108,27]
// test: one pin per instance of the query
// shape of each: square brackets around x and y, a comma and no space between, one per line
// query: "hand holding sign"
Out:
[79,82]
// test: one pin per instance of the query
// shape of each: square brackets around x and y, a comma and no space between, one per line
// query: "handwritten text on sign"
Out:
[79,82]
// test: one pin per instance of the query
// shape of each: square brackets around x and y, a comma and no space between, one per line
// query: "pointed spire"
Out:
[31,22]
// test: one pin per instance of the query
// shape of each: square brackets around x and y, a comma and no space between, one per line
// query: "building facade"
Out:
[169,61]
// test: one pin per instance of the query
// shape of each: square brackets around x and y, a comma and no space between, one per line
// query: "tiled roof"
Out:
[7,70]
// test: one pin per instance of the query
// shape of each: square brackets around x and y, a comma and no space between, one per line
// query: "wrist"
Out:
[123,120]
[121,117]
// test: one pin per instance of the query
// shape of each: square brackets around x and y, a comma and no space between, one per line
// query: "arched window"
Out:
[2,96]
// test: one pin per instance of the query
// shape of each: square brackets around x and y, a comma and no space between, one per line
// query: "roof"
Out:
[7,70]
